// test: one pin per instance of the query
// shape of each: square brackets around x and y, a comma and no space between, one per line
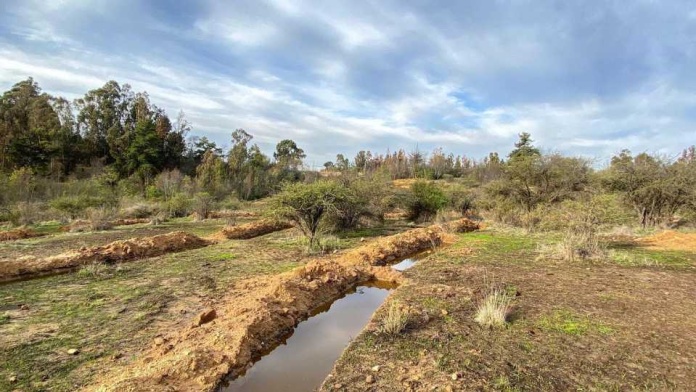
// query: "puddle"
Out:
[307,355]
[404,264]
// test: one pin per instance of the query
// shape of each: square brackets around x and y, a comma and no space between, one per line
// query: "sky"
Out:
[583,77]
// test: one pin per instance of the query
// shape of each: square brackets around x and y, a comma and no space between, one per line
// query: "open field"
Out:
[110,313]
[599,326]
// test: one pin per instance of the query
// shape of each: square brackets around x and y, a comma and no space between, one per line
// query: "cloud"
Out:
[339,77]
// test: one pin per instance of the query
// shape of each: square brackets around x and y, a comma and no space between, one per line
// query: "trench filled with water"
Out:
[307,355]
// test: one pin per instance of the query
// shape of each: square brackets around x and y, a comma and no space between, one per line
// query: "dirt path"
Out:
[224,340]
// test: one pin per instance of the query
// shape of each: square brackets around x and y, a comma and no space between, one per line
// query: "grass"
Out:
[108,311]
[395,320]
[494,308]
[567,322]
[574,326]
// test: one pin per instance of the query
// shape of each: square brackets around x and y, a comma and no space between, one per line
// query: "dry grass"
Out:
[494,308]
[100,218]
[395,321]
[578,243]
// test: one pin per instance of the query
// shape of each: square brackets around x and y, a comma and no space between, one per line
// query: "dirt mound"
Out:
[130,221]
[231,214]
[251,230]
[134,248]
[18,234]
[463,225]
[670,240]
[256,315]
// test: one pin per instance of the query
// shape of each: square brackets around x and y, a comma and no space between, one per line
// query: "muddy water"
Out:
[307,355]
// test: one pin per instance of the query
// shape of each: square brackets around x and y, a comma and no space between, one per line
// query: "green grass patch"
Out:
[640,257]
[569,323]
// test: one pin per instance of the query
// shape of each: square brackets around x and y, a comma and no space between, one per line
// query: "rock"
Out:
[444,312]
[159,341]
[338,386]
[375,368]
[369,379]
[362,239]
[73,351]
[12,378]
[448,388]
[206,316]
[455,376]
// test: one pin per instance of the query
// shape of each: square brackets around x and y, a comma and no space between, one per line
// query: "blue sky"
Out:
[583,77]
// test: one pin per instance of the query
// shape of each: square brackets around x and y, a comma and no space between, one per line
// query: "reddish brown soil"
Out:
[256,314]
[251,230]
[670,240]
[18,234]
[117,251]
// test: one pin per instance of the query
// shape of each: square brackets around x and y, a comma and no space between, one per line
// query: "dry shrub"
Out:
[137,211]
[395,321]
[25,213]
[446,215]
[494,308]
[100,218]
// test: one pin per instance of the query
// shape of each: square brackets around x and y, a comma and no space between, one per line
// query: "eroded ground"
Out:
[623,324]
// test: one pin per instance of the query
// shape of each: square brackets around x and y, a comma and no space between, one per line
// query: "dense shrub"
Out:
[425,200]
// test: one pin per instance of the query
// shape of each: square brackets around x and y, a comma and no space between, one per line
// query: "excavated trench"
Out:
[301,361]
[261,313]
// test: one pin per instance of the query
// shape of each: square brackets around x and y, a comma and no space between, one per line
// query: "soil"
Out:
[117,251]
[18,234]
[256,314]
[251,230]
[670,240]
[573,326]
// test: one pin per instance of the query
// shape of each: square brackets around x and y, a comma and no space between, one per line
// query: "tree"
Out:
[306,205]
[211,173]
[29,128]
[342,162]
[144,155]
[524,147]
[288,156]
[654,187]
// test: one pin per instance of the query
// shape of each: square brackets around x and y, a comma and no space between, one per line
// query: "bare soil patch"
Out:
[670,240]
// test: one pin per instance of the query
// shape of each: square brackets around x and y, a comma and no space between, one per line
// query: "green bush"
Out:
[425,200]
[178,206]
[75,206]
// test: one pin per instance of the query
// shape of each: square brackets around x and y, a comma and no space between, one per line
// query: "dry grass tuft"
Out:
[494,308]
[395,322]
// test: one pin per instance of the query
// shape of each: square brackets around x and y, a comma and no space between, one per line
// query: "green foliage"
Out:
[524,147]
[307,205]
[654,187]
[178,205]
[75,206]
[425,200]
